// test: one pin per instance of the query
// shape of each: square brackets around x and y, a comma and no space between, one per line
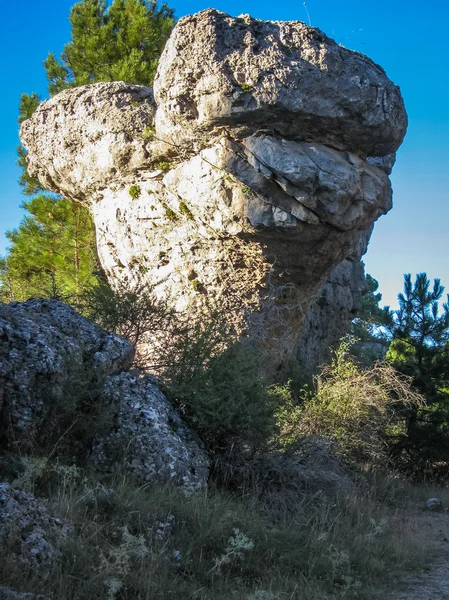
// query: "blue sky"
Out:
[408,38]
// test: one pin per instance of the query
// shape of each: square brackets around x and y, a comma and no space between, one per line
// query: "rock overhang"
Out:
[284,76]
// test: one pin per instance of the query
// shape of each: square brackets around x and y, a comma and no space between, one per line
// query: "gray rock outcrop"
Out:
[258,167]
[149,438]
[51,361]
[28,531]
[329,318]
[284,77]
[55,364]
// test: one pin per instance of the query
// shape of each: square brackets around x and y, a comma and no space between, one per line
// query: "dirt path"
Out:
[432,584]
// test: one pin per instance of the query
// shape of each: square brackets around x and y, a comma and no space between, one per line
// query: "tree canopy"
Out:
[419,348]
[371,318]
[119,42]
[52,253]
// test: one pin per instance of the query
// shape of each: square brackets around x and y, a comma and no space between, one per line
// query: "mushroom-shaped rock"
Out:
[282,77]
[261,187]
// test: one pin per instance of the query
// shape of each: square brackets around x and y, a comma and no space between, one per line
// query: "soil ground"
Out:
[432,583]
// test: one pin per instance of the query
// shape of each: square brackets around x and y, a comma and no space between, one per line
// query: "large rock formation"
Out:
[55,369]
[260,164]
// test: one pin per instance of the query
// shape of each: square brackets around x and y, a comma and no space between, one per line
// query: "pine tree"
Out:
[122,42]
[119,42]
[419,348]
[30,185]
[52,253]
[371,319]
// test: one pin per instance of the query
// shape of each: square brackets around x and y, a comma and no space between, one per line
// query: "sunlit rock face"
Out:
[259,165]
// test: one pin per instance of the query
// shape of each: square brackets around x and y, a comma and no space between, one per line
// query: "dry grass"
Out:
[362,411]
[215,545]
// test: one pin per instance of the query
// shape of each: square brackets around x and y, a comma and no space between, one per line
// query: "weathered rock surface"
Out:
[7,593]
[94,136]
[51,359]
[433,504]
[28,531]
[149,438]
[330,316]
[284,77]
[251,187]
[53,362]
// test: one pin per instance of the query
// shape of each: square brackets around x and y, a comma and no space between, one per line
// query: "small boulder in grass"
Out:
[29,531]
[434,505]
[7,593]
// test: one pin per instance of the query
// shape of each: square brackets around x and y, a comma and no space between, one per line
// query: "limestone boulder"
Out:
[283,77]
[51,360]
[149,438]
[28,530]
[329,318]
[263,165]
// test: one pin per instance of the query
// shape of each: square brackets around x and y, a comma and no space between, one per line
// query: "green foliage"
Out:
[246,87]
[135,191]
[420,349]
[197,285]
[110,42]
[30,185]
[219,387]
[148,133]
[28,104]
[418,322]
[162,165]
[52,253]
[355,408]
[120,42]
[134,313]
[371,319]
[185,210]
[169,212]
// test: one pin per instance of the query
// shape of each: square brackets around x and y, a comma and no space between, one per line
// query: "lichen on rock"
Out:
[149,439]
[55,365]
[27,529]
[51,360]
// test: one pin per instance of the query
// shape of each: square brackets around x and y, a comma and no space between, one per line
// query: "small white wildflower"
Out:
[238,543]
[114,586]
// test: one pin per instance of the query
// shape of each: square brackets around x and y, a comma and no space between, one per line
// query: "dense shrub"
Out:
[136,314]
[218,386]
[360,409]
